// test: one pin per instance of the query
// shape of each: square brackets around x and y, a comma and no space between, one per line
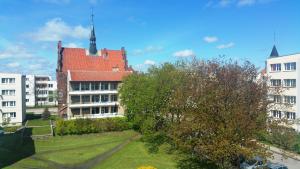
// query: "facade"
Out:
[12,98]
[40,90]
[88,81]
[283,73]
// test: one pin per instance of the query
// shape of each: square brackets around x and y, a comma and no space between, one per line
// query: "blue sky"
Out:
[152,31]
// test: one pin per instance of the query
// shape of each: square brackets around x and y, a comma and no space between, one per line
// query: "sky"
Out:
[152,31]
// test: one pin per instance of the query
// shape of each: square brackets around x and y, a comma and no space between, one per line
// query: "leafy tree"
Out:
[208,109]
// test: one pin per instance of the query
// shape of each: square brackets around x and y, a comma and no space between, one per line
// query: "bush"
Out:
[11,129]
[86,126]
[46,114]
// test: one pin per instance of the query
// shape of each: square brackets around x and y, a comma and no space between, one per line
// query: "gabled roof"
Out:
[274,52]
[76,59]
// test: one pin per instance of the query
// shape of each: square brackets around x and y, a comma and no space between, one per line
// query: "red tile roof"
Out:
[76,59]
[95,68]
[98,76]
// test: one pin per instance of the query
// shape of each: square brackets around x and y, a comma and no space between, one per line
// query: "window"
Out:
[50,99]
[75,112]
[95,86]
[75,99]
[27,79]
[27,100]
[50,85]
[9,104]
[75,86]
[95,110]
[43,92]
[104,86]
[276,67]
[9,115]
[104,98]
[275,82]
[114,86]
[290,115]
[27,86]
[8,92]
[86,111]
[8,80]
[114,109]
[277,98]
[290,66]
[104,110]
[114,98]
[290,82]
[50,92]
[85,86]
[85,99]
[95,98]
[276,113]
[27,93]
[290,99]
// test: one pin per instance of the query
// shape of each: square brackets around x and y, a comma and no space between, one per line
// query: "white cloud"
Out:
[225,3]
[246,2]
[210,39]
[93,2]
[149,62]
[15,51]
[56,1]
[184,53]
[72,45]
[147,50]
[56,29]
[238,3]
[13,64]
[225,46]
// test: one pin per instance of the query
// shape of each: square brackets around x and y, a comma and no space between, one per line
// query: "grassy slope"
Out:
[135,155]
[68,150]
[71,149]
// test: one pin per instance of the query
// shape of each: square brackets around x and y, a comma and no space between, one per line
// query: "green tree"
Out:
[208,109]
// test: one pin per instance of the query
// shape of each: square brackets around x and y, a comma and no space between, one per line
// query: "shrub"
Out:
[46,114]
[86,126]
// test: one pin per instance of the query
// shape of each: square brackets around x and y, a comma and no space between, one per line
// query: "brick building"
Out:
[88,80]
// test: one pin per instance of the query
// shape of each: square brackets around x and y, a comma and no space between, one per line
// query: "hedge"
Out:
[86,126]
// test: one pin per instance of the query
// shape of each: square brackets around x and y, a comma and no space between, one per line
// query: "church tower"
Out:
[93,47]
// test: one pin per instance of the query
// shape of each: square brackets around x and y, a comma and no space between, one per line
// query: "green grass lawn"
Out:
[38,122]
[40,130]
[136,155]
[69,151]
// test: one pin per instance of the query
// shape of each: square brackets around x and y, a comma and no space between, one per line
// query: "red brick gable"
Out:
[76,59]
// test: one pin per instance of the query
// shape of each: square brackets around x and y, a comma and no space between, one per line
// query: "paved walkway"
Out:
[53,110]
[291,160]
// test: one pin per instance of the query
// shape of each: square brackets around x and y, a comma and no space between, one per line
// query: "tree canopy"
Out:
[209,110]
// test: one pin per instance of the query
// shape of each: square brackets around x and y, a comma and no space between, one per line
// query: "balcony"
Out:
[92,104]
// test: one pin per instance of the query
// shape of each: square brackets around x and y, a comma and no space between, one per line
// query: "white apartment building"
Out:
[93,99]
[12,98]
[283,72]
[40,90]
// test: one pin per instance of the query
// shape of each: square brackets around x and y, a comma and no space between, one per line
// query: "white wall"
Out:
[18,97]
[284,74]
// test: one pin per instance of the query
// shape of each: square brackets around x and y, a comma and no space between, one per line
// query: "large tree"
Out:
[209,110]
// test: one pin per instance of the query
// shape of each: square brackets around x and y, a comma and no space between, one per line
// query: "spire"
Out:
[93,48]
[274,52]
